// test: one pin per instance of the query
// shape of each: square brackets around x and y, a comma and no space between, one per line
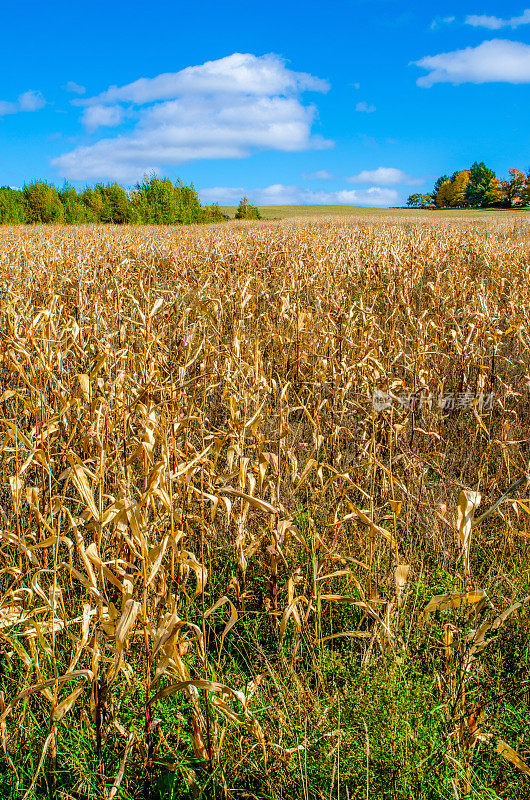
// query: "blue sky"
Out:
[359,102]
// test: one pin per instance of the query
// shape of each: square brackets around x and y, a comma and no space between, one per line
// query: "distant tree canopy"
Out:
[476,187]
[154,201]
[246,211]
[420,201]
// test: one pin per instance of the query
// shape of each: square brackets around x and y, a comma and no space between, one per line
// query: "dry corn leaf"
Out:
[83,383]
[126,623]
[255,502]
[16,485]
[65,705]
[512,756]
[189,559]
[368,522]
[231,622]
[39,687]
[453,602]
[468,502]
[401,575]
[78,475]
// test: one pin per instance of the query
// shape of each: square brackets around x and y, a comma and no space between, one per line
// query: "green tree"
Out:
[155,201]
[420,201]
[441,180]
[246,211]
[479,180]
[115,204]
[12,206]
[158,201]
[43,203]
[93,202]
[74,209]
[213,214]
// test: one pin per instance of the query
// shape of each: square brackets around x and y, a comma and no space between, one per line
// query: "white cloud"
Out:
[385,176]
[281,195]
[439,21]
[220,109]
[238,74]
[31,101]
[493,60]
[364,108]
[102,116]
[27,101]
[483,21]
[74,88]
[494,23]
[8,108]
[319,175]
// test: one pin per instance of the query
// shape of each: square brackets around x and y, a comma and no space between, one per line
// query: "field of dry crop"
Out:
[223,572]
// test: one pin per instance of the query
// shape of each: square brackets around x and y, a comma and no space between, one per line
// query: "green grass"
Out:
[344,728]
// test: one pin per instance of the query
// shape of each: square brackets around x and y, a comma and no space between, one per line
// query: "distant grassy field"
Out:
[287,212]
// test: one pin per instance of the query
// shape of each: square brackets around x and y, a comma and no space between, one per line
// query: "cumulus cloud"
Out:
[385,176]
[240,73]
[492,61]
[31,101]
[221,109]
[281,195]
[74,88]
[365,108]
[494,23]
[102,116]
[318,175]
[27,101]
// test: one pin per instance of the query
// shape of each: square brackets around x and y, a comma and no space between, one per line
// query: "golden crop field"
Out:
[225,571]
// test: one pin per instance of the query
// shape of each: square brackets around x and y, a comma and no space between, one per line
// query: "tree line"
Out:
[477,187]
[154,201]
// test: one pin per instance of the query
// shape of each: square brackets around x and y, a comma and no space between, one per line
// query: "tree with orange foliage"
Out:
[526,191]
[514,188]
[477,187]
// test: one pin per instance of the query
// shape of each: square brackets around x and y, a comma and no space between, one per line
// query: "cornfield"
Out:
[225,570]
